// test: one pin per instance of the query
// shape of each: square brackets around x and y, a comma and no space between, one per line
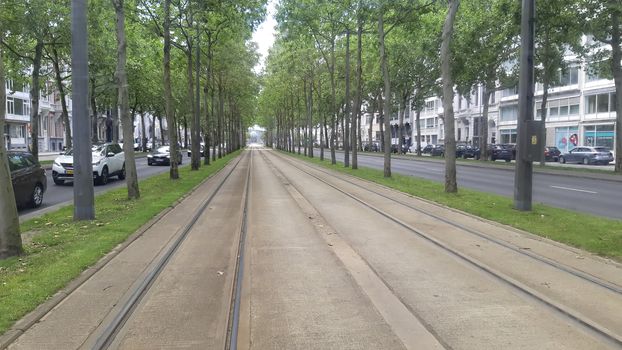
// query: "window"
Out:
[509,113]
[492,98]
[9,85]
[566,138]
[459,134]
[510,91]
[26,109]
[573,110]
[599,135]
[508,136]
[601,103]
[10,105]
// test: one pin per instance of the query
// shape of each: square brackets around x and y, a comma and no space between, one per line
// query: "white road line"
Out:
[574,189]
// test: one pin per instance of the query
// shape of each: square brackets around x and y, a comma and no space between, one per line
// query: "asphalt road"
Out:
[598,197]
[56,196]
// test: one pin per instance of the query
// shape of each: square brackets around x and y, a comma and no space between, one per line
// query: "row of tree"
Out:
[408,50]
[189,62]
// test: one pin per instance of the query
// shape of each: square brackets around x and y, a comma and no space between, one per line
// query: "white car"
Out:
[108,160]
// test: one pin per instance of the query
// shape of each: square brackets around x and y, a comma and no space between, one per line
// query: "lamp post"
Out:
[83,193]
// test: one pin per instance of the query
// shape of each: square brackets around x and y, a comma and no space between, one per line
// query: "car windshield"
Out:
[98,148]
[68,152]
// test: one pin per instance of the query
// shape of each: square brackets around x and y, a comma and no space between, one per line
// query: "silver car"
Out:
[587,155]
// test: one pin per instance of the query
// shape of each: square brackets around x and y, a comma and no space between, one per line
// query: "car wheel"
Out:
[149,162]
[59,182]
[562,160]
[103,178]
[122,174]
[586,161]
[464,156]
[37,196]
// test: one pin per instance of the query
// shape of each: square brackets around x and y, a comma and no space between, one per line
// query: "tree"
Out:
[451,185]
[604,22]
[558,28]
[122,86]
[10,237]
[168,98]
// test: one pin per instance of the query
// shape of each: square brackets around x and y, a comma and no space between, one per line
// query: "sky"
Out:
[264,35]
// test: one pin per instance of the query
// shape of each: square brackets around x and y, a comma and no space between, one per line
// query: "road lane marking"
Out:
[574,189]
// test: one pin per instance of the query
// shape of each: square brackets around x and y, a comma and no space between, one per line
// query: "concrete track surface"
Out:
[273,253]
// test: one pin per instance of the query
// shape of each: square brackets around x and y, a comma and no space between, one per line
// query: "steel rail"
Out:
[599,331]
[105,339]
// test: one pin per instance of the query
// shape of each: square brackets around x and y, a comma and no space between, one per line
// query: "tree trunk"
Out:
[94,126]
[483,138]
[347,142]
[10,236]
[543,106]
[451,185]
[616,68]
[206,132]
[143,132]
[333,108]
[359,88]
[127,122]
[400,127]
[34,95]
[61,89]
[418,126]
[386,96]
[194,158]
[115,116]
[168,96]
[381,122]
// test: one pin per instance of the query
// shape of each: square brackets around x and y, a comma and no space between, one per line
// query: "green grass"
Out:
[595,234]
[61,248]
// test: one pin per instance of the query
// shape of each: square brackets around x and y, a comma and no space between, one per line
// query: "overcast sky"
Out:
[264,35]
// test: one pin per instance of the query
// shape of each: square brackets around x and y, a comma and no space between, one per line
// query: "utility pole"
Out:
[523,177]
[83,194]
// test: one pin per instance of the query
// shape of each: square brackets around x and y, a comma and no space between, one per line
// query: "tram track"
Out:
[109,331]
[601,332]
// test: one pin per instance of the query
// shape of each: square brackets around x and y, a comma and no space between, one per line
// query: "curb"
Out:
[30,319]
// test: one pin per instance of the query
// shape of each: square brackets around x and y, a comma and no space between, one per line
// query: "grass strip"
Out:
[61,248]
[594,234]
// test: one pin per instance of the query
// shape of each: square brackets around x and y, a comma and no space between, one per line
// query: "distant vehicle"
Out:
[28,178]
[202,150]
[551,154]
[500,151]
[373,147]
[467,151]
[428,148]
[162,156]
[587,155]
[438,150]
[108,160]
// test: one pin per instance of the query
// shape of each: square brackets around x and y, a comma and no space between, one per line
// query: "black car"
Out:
[373,147]
[428,149]
[162,156]
[28,177]
[501,151]
[438,150]
[467,151]
[551,154]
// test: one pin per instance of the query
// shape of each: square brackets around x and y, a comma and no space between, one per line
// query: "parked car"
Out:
[162,156]
[202,150]
[373,147]
[108,160]
[500,151]
[467,151]
[28,178]
[438,150]
[587,155]
[511,147]
[551,154]
[428,148]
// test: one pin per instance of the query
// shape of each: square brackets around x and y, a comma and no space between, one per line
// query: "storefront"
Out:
[566,138]
[599,135]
